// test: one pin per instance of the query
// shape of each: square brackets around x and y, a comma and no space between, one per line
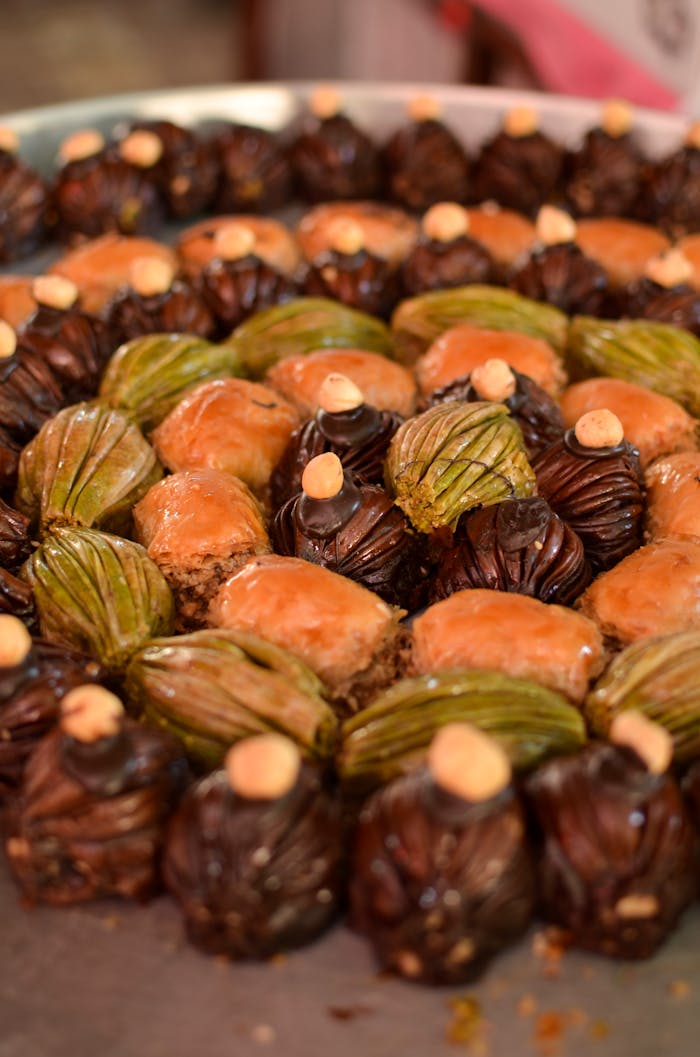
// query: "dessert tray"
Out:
[118,979]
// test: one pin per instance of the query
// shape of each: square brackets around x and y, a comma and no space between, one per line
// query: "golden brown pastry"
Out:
[387,232]
[653,423]
[344,632]
[99,267]
[198,527]
[271,242]
[16,299]
[673,496]
[505,234]
[511,633]
[384,384]
[654,591]
[622,247]
[690,248]
[458,350]
[228,424]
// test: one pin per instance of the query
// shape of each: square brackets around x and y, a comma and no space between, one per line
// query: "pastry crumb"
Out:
[467,1026]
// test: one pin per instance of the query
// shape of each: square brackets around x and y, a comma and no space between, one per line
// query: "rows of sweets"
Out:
[357,567]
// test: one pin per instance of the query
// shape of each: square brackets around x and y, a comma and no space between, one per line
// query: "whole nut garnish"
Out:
[81,144]
[90,712]
[263,768]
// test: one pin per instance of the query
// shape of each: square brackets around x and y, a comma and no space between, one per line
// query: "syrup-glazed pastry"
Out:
[154,301]
[385,385]
[198,527]
[424,160]
[617,861]
[461,349]
[386,232]
[506,234]
[345,424]
[23,202]
[353,529]
[592,479]
[101,266]
[15,538]
[518,546]
[669,192]
[350,273]
[99,189]
[653,591]
[345,633]
[255,170]
[89,819]
[511,633]
[16,299]
[34,676]
[227,424]
[673,497]
[180,162]
[442,875]
[622,248]
[446,254]
[652,423]
[602,175]
[262,237]
[558,271]
[520,167]
[664,293]
[255,852]
[535,411]
[331,157]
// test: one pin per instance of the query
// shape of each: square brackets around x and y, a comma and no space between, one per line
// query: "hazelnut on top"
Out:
[467,763]
[493,380]
[617,118]
[669,269]
[521,121]
[8,340]
[424,108]
[339,393]
[55,291]
[652,742]
[554,226]
[445,222]
[9,140]
[323,476]
[150,276]
[81,144]
[15,642]
[234,241]
[265,767]
[345,236]
[142,148]
[325,102]
[599,429]
[89,713]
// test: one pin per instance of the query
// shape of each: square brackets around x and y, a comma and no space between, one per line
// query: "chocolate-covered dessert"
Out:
[344,424]
[442,876]
[180,162]
[97,190]
[424,161]
[669,188]
[592,479]
[255,170]
[535,411]
[350,273]
[254,854]
[34,676]
[15,540]
[664,293]
[618,858]
[17,598]
[520,167]
[331,157]
[89,818]
[352,528]
[237,281]
[446,254]
[602,175]
[23,202]
[558,271]
[155,302]
[519,546]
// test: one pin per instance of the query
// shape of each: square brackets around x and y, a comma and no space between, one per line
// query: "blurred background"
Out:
[54,50]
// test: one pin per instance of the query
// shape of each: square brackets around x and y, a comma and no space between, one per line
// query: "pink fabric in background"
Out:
[572,58]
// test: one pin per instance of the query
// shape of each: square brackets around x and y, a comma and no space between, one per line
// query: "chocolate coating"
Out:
[104,193]
[361,534]
[563,276]
[360,438]
[519,546]
[234,290]
[29,394]
[75,346]
[253,876]
[256,173]
[669,193]
[599,492]
[536,412]
[30,696]
[610,830]
[15,543]
[23,203]
[89,824]
[360,280]
[17,598]
[10,449]
[678,305]
[179,310]
[602,176]
[187,173]
[520,172]
[425,164]
[438,884]
[333,159]
[435,265]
